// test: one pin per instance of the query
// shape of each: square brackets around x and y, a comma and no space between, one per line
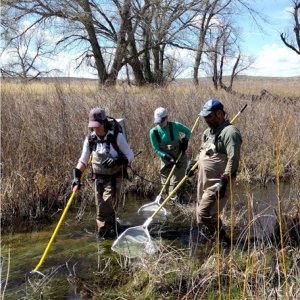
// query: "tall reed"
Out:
[278,143]
[43,127]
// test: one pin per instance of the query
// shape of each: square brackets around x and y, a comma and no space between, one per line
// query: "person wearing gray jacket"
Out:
[218,164]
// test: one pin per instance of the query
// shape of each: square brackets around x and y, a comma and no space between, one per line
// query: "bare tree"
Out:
[164,27]
[26,55]
[224,55]
[111,34]
[208,10]
[98,29]
[293,44]
[210,14]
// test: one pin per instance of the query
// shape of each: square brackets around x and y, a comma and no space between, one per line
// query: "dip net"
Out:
[135,242]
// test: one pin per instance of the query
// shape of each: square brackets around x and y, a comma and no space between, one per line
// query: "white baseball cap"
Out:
[159,114]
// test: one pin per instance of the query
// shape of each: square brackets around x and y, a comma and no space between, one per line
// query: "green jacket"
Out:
[165,136]
[227,140]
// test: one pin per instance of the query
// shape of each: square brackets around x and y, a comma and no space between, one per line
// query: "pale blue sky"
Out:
[262,41]
[273,58]
[276,12]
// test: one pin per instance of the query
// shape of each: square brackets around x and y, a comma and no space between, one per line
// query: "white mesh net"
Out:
[135,242]
[150,208]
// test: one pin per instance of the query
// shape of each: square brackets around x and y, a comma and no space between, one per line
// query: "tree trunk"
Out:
[122,43]
[99,61]
[208,13]
[134,60]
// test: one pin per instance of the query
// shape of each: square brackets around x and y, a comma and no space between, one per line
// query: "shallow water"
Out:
[76,249]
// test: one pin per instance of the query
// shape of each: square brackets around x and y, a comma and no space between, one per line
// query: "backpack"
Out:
[117,126]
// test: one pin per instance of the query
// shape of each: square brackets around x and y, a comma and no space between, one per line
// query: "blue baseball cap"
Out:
[210,106]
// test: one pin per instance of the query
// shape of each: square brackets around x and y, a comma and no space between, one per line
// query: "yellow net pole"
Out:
[75,189]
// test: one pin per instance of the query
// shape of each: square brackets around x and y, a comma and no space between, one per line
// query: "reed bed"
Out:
[43,127]
[42,130]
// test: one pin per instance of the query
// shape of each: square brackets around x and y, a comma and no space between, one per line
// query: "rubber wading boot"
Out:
[225,240]
[106,233]
[106,230]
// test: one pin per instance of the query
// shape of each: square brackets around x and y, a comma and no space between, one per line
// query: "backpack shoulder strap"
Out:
[112,139]
[92,142]
[157,135]
[171,131]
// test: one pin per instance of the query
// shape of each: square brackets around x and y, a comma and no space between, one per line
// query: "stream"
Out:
[76,249]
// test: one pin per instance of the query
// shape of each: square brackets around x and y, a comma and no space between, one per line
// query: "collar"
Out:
[220,127]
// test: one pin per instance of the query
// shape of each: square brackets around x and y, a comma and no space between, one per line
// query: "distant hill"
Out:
[241,78]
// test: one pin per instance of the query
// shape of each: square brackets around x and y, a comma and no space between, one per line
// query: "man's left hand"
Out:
[184,144]
[223,186]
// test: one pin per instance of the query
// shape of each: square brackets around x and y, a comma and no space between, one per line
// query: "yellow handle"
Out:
[148,221]
[75,189]
[177,160]
[171,194]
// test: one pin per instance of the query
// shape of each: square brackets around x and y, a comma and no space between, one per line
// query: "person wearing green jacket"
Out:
[169,139]
[218,164]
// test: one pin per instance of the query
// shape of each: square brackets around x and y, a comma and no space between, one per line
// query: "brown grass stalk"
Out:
[218,251]
[232,222]
[278,144]
[7,275]
[248,246]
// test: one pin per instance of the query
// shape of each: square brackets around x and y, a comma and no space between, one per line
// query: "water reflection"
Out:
[76,248]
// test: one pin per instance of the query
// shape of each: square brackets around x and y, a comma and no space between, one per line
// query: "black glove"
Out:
[76,178]
[188,171]
[184,144]
[223,185]
[170,159]
[111,162]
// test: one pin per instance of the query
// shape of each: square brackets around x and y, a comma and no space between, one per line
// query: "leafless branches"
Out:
[291,43]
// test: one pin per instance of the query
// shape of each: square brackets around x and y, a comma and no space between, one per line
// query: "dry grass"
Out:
[42,130]
[175,274]
[43,127]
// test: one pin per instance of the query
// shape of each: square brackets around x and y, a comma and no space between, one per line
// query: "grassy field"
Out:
[43,126]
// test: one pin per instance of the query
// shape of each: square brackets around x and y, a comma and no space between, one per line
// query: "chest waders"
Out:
[108,182]
[211,166]
[172,148]
[136,241]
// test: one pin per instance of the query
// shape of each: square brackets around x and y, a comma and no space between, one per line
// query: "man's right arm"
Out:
[232,141]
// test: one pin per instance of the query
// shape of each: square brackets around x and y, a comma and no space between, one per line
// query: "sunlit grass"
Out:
[43,127]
